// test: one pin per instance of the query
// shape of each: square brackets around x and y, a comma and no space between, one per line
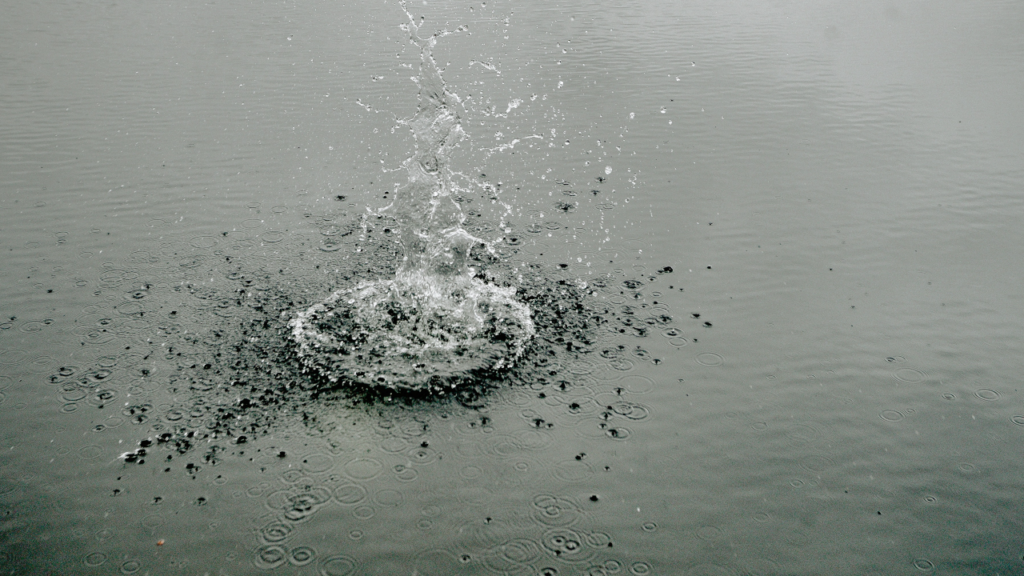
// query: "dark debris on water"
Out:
[238,377]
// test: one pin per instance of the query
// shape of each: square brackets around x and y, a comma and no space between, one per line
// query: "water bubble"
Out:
[13,356]
[618,433]
[152,521]
[631,410]
[709,359]
[363,468]
[301,555]
[816,463]
[572,471]
[349,494]
[967,468]
[704,570]
[330,244]
[519,550]
[566,544]
[32,326]
[95,559]
[298,503]
[909,375]
[405,473]
[892,415]
[924,565]
[709,533]
[423,455]
[802,433]
[986,394]
[270,557]
[553,511]
[483,533]
[389,497]
[338,566]
[203,242]
[131,567]
[317,463]
[394,444]
[622,364]
[580,367]
[275,532]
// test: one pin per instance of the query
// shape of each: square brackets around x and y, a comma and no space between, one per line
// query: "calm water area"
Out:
[798,225]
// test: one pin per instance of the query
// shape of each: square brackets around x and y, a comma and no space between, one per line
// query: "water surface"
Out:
[823,200]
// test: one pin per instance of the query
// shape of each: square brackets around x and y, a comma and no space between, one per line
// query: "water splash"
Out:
[436,325]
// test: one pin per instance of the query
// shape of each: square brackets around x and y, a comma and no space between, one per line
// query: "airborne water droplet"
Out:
[434,326]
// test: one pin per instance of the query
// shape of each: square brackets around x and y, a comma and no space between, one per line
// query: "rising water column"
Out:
[434,326]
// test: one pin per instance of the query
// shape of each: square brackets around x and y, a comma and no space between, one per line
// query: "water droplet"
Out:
[272,236]
[986,394]
[909,375]
[389,497]
[640,568]
[275,532]
[816,463]
[270,557]
[892,415]
[301,555]
[95,559]
[363,468]
[923,565]
[709,359]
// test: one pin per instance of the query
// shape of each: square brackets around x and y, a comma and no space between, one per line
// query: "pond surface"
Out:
[773,250]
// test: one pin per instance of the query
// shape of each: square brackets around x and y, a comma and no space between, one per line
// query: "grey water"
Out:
[824,197]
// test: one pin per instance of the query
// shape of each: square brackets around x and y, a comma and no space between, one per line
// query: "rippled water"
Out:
[771,250]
